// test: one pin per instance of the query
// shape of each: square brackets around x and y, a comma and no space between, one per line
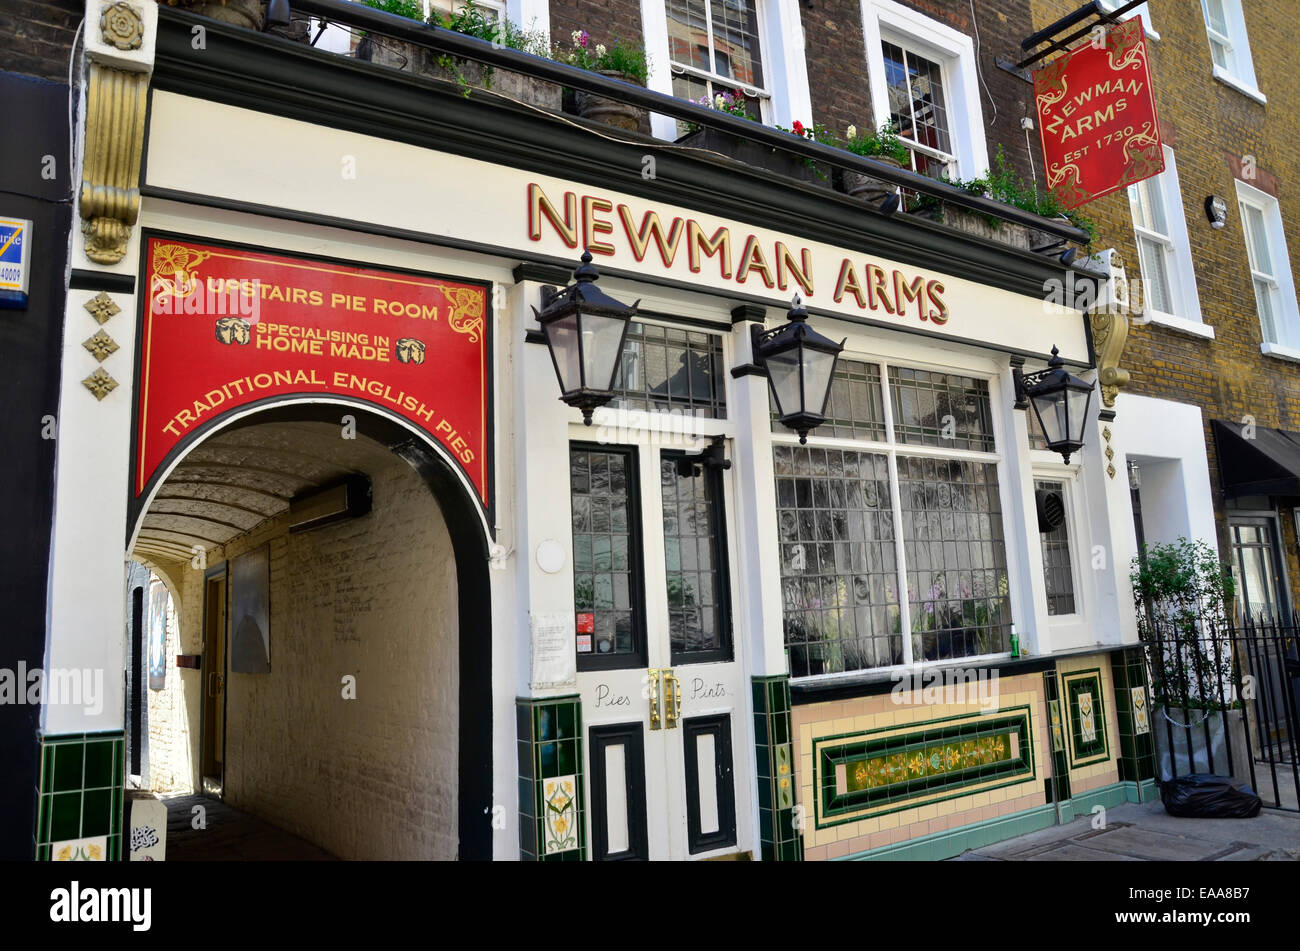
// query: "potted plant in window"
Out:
[883,146]
[620,60]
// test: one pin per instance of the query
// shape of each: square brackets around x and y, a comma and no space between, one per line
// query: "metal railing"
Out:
[1204,678]
[449,43]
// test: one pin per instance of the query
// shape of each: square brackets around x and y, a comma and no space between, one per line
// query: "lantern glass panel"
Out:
[783,371]
[562,335]
[1078,412]
[602,342]
[817,368]
[1053,414]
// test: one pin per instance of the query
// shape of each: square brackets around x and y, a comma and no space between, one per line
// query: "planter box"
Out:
[1196,757]
[868,188]
[410,58]
[610,112]
[759,156]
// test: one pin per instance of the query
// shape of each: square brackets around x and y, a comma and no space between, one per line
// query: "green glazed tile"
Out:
[65,816]
[67,767]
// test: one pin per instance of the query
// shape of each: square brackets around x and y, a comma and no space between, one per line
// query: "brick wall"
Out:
[375,597]
[1205,121]
[837,70]
[38,36]
[605,20]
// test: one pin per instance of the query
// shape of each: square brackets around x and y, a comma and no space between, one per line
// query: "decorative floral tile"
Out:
[1087,717]
[93,849]
[1141,722]
[1086,709]
[560,819]
[1058,729]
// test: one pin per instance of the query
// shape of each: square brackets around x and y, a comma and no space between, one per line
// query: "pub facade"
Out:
[496,500]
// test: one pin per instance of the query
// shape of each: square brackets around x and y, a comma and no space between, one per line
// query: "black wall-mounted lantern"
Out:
[800,363]
[585,329]
[1060,401]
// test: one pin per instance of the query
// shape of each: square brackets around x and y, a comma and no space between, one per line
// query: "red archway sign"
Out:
[1097,116]
[226,326]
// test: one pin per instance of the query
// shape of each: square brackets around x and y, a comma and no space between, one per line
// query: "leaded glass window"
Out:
[838,566]
[941,409]
[1058,567]
[695,561]
[856,526]
[855,408]
[955,556]
[606,555]
[670,369]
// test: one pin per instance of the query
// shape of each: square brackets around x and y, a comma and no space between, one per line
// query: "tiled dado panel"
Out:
[1134,748]
[79,805]
[1086,689]
[961,778]
[780,817]
[552,812]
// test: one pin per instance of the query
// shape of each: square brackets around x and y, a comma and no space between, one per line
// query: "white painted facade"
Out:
[201,148]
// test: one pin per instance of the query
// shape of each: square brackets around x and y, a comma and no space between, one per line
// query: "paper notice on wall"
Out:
[554,661]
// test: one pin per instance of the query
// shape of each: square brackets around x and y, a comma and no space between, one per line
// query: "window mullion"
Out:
[708,24]
[895,506]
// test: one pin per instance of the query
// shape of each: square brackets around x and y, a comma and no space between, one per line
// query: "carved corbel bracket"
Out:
[116,101]
[1109,325]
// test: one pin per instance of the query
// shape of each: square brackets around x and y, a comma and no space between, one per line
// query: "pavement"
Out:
[230,835]
[1144,832]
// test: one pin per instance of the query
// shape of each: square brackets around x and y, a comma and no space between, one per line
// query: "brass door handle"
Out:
[652,676]
[673,704]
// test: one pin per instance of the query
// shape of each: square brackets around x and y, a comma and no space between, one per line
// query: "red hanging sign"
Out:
[1097,117]
[225,326]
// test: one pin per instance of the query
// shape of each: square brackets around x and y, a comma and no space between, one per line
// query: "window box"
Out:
[972,222]
[610,112]
[412,58]
[869,189]
[754,154]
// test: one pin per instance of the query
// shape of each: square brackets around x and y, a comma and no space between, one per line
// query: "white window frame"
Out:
[1065,628]
[1286,314]
[955,54]
[1240,71]
[785,97]
[1186,301]
[1143,11]
[890,355]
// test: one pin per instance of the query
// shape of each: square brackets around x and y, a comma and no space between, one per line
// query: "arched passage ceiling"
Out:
[233,481]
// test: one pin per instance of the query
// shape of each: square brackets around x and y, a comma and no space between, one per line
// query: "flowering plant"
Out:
[883,143]
[619,57]
[733,104]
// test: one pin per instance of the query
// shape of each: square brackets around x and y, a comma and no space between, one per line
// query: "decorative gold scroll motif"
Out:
[110,193]
[467,310]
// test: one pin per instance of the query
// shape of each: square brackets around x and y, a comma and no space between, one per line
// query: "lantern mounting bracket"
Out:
[712,456]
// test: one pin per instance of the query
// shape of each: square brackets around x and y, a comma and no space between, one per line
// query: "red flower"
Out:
[798,127]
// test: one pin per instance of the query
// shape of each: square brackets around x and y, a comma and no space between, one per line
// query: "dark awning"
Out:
[1268,463]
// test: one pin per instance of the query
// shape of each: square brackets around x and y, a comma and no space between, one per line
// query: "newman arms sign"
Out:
[1097,116]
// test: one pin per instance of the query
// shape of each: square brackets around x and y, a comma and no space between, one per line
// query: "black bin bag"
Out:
[1204,796]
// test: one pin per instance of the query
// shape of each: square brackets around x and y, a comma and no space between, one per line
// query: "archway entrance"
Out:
[332,655]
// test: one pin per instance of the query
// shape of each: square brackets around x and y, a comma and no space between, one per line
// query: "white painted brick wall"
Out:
[371,778]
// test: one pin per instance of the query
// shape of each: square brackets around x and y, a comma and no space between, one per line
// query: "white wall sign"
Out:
[554,661]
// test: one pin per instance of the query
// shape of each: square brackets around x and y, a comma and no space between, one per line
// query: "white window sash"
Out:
[890,21]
